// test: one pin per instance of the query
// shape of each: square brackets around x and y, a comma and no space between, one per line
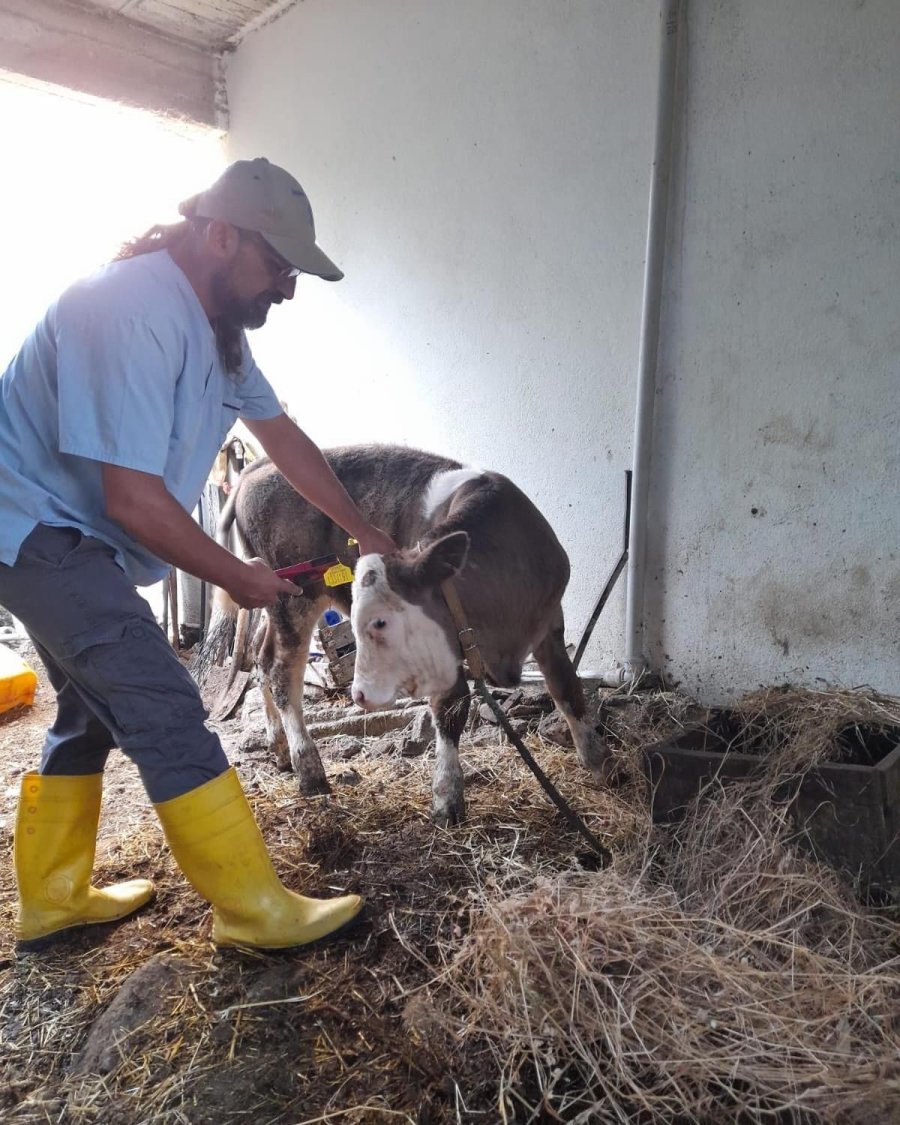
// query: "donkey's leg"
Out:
[450,712]
[568,694]
[292,626]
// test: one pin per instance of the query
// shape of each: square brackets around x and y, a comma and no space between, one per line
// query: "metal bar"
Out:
[611,581]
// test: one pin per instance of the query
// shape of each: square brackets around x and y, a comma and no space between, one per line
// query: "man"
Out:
[110,419]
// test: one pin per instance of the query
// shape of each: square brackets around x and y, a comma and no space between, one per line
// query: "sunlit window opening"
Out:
[81,175]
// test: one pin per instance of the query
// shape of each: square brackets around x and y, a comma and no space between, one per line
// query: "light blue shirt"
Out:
[123,370]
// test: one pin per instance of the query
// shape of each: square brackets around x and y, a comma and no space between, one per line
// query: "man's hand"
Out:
[257,586]
[376,542]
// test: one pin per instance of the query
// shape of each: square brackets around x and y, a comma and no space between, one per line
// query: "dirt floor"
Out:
[337,1033]
[305,1036]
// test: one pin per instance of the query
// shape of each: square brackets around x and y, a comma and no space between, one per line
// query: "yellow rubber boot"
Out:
[55,841]
[217,844]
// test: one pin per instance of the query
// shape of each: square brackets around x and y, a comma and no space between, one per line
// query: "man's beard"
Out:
[242,312]
[236,315]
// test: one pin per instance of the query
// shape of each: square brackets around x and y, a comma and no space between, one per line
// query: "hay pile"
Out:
[712,974]
[796,729]
[792,728]
[607,1001]
[715,973]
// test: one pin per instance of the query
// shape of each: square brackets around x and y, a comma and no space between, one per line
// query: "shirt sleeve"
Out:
[259,400]
[116,385]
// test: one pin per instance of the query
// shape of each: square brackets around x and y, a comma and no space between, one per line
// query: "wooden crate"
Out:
[846,813]
[337,640]
[340,672]
[339,647]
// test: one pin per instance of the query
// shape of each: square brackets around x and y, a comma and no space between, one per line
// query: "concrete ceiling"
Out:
[212,25]
[161,55]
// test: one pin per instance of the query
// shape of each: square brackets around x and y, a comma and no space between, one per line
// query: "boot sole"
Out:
[341,931]
[36,944]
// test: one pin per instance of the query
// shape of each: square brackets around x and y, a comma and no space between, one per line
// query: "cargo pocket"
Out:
[140,686]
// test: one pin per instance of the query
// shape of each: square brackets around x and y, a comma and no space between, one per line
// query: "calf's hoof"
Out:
[447,814]
[278,747]
[611,772]
[596,756]
[314,787]
[311,778]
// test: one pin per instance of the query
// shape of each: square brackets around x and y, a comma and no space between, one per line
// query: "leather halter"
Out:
[468,643]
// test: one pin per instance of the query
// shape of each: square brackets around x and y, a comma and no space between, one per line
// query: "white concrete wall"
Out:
[480,171]
[777,506]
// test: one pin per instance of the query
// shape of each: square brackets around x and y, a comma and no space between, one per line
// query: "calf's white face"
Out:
[399,648]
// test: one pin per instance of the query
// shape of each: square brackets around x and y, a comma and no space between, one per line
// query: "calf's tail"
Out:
[213,650]
[226,519]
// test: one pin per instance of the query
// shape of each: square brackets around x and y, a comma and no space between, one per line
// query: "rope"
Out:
[471,653]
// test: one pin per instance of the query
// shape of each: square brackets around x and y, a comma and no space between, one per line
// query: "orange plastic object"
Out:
[17,681]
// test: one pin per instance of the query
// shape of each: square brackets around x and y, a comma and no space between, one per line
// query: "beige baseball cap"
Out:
[258,195]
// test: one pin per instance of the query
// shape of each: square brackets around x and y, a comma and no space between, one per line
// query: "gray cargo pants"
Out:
[117,680]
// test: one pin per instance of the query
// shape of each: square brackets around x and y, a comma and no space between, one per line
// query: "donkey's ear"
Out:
[442,559]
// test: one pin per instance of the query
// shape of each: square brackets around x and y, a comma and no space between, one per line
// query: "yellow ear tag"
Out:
[338,575]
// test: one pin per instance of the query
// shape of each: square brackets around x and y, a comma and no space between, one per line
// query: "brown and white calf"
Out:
[508,566]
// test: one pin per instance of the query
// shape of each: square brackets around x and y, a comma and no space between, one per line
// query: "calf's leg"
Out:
[275,736]
[291,625]
[276,739]
[568,694]
[450,712]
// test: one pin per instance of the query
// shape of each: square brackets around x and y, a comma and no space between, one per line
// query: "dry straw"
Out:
[713,974]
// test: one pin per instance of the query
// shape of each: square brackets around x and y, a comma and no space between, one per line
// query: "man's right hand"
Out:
[259,586]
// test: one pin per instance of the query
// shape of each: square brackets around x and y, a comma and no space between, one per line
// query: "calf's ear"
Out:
[442,559]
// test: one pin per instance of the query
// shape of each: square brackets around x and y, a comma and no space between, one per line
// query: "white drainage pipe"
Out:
[635,664]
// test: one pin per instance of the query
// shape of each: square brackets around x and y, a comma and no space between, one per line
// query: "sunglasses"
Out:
[280,269]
